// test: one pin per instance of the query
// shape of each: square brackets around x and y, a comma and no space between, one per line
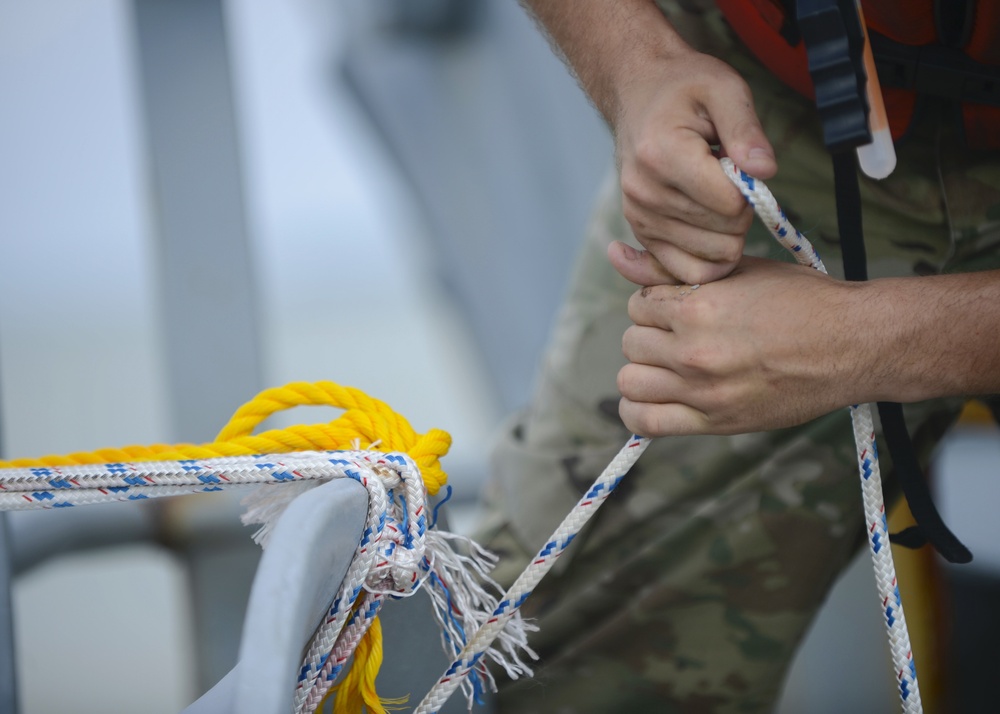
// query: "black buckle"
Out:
[834,43]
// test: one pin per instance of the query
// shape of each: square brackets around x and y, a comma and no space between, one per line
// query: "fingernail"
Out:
[630,252]
[759,152]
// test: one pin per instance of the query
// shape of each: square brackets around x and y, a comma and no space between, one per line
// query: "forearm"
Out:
[608,44]
[931,336]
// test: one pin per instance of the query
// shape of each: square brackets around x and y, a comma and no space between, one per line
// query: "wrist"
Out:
[608,43]
[647,63]
[926,337]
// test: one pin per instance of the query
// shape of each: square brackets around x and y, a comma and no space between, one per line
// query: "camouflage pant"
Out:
[696,582]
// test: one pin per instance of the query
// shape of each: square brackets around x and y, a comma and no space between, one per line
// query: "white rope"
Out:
[771,215]
[470,658]
[63,486]
[767,209]
[399,555]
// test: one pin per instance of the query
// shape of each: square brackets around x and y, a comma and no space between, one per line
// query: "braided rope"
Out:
[366,420]
[140,472]
[397,566]
[378,569]
[380,561]
[471,656]
[398,553]
[771,215]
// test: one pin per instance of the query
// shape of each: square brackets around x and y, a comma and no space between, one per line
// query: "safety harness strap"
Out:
[819,20]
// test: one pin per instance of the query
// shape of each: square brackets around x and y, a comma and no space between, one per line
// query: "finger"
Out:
[739,131]
[661,419]
[649,307]
[686,267]
[638,266]
[703,180]
[653,307]
[654,195]
[707,244]
[653,385]
[648,345]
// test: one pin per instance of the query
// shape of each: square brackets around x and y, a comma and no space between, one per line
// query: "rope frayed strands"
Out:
[400,552]
[470,658]
[770,213]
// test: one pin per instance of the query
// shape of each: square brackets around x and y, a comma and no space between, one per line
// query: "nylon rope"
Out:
[771,215]
[890,603]
[397,506]
[239,457]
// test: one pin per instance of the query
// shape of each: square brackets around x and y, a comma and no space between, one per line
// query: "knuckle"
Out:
[735,87]
[628,342]
[632,185]
[633,306]
[648,421]
[649,155]
[709,272]
[623,381]
[634,215]
[736,208]
[731,250]
[638,302]
[745,219]
[707,363]
[697,315]
[692,357]
[697,273]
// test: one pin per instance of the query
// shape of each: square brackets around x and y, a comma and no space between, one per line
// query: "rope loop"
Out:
[366,423]
[365,419]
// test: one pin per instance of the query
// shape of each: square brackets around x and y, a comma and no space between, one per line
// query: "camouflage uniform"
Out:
[693,586]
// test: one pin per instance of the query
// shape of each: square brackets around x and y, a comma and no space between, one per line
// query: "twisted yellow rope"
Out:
[357,689]
[367,422]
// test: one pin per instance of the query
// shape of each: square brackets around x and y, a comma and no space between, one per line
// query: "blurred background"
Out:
[200,199]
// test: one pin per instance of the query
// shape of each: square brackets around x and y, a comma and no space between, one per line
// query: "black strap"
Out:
[848,193]
[930,528]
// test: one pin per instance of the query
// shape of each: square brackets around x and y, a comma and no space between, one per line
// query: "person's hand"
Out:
[770,346]
[680,205]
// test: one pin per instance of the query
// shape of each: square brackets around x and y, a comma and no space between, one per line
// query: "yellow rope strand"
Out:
[359,684]
[365,421]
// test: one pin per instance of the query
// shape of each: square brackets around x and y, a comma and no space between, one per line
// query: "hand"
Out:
[770,346]
[680,205]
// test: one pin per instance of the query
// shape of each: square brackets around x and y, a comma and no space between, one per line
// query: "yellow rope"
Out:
[357,688]
[367,422]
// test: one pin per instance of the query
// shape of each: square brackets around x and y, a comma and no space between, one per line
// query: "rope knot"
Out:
[400,552]
[403,564]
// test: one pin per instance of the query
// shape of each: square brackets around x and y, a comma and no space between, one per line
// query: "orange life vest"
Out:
[759,24]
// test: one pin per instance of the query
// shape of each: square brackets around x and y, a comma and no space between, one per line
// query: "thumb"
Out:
[741,136]
[638,266]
